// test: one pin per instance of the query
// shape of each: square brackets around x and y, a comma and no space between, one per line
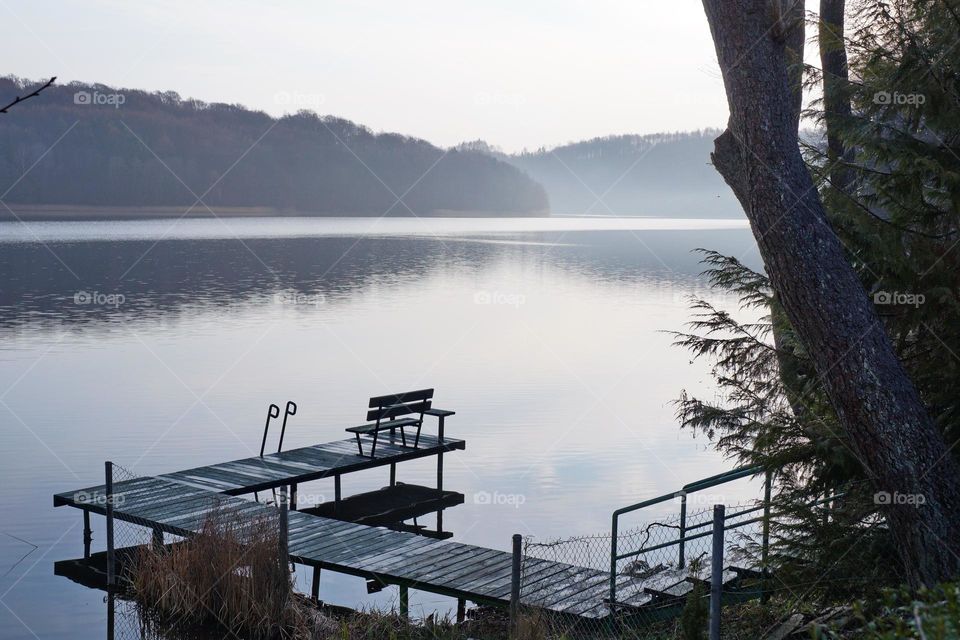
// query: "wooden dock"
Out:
[177,503]
[444,567]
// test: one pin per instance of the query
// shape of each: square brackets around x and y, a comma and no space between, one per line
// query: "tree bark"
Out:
[836,101]
[886,424]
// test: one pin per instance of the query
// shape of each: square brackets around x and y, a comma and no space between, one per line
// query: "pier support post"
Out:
[336,494]
[284,555]
[461,610]
[440,455]
[440,471]
[315,586]
[157,539]
[515,585]
[716,571]
[293,497]
[108,491]
[393,474]
[87,534]
[404,602]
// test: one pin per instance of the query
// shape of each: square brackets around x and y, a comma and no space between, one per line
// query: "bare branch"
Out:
[32,94]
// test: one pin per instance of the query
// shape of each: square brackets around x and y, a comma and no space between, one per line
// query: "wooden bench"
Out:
[398,411]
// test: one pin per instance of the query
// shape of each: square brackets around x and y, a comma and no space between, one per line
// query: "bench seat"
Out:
[396,411]
[384,426]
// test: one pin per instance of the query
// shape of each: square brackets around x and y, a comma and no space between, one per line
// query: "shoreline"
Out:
[79,213]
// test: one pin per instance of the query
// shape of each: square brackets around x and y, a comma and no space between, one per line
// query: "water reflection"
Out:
[550,346]
[90,282]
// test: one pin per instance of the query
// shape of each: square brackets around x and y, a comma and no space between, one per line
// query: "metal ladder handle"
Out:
[273,411]
[291,410]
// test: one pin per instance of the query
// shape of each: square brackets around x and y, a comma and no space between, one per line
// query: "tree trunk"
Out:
[836,101]
[758,155]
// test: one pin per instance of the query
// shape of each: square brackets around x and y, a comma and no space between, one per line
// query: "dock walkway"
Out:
[177,503]
[330,459]
[444,567]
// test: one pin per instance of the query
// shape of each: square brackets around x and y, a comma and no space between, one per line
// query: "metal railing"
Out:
[685,534]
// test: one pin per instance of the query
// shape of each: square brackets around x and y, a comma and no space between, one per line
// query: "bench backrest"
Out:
[399,404]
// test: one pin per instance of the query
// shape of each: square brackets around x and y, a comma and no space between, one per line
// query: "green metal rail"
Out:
[685,532]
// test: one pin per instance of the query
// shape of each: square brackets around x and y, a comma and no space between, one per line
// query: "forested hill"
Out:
[665,174]
[94,145]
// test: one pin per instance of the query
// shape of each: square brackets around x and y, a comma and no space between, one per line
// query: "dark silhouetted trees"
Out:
[302,163]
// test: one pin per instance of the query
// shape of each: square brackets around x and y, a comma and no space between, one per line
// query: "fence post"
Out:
[765,542]
[716,570]
[108,496]
[613,567]
[683,530]
[111,615]
[515,585]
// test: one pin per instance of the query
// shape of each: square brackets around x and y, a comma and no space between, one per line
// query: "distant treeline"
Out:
[94,145]
[665,174]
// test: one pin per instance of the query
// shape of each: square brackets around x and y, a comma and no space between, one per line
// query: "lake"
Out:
[160,344]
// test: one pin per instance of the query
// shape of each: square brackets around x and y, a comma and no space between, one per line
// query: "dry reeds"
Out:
[232,574]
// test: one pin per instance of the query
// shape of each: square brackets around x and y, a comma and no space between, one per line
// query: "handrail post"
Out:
[515,585]
[612,599]
[716,571]
[683,530]
[108,495]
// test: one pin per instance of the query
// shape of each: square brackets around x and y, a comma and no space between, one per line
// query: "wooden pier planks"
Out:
[306,463]
[393,557]
[295,466]
[179,502]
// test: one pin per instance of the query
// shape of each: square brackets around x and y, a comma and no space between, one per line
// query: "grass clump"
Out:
[232,575]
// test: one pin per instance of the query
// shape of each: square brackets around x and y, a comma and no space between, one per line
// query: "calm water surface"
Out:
[159,345]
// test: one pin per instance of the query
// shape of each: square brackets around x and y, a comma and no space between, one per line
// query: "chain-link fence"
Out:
[124,540]
[233,572]
[124,621]
[567,588]
[564,575]
[127,536]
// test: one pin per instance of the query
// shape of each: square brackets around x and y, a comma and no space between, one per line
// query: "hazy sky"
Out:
[517,73]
